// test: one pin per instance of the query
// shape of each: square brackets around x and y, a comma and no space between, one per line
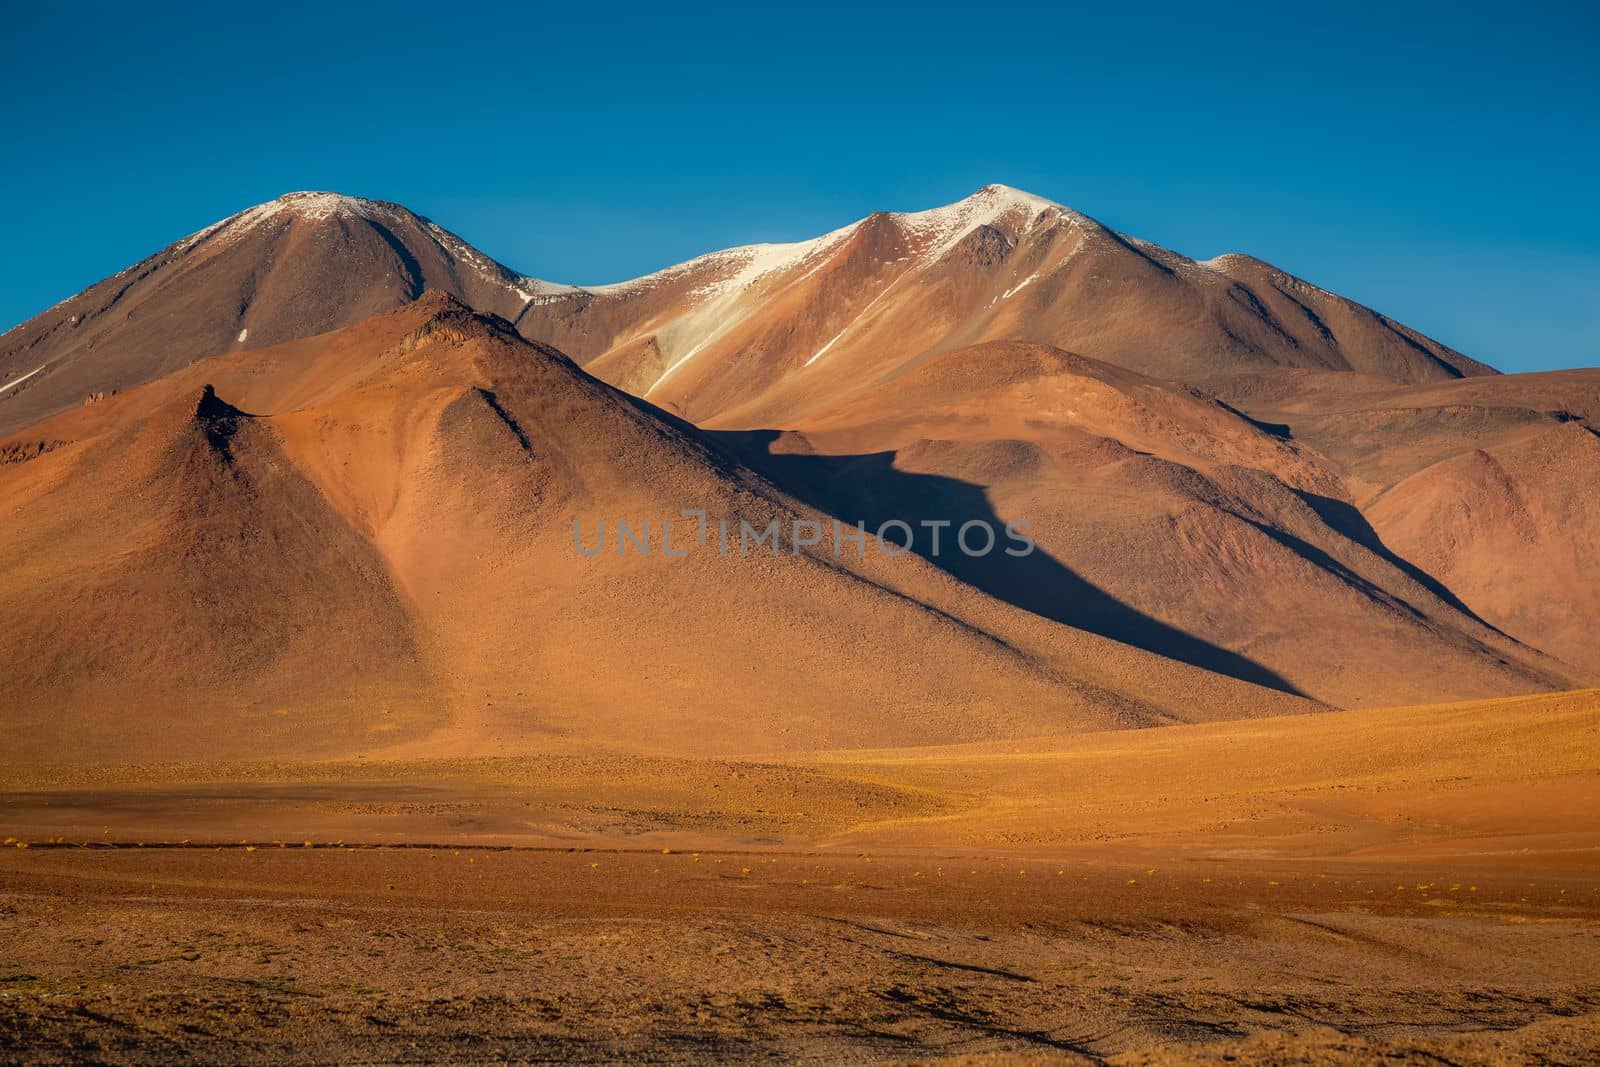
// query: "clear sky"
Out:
[1438,163]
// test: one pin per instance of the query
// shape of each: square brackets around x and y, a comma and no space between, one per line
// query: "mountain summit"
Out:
[300,265]
[764,334]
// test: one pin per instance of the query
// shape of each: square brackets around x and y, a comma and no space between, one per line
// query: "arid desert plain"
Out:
[1412,885]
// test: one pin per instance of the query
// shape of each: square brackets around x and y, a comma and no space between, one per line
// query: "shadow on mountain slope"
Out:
[867,488]
[1347,520]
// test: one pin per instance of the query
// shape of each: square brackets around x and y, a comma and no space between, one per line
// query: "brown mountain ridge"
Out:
[747,336]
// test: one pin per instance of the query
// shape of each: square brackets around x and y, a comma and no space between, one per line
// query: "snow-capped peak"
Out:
[937,230]
[319,205]
[316,206]
[941,228]
[310,206]
[994,192]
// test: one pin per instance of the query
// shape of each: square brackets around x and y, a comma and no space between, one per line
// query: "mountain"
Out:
[767,334]
[362,542]
[748,337]
[294,267]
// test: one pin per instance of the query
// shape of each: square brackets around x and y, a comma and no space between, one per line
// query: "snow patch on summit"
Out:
[310,206]
[942,228]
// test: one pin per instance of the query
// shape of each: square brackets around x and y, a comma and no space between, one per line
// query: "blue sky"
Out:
[1438,163]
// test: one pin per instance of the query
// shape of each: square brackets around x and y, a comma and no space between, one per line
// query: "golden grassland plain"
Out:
[1415,884]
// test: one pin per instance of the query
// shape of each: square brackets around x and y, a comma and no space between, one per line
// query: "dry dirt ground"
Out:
[1398,885]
